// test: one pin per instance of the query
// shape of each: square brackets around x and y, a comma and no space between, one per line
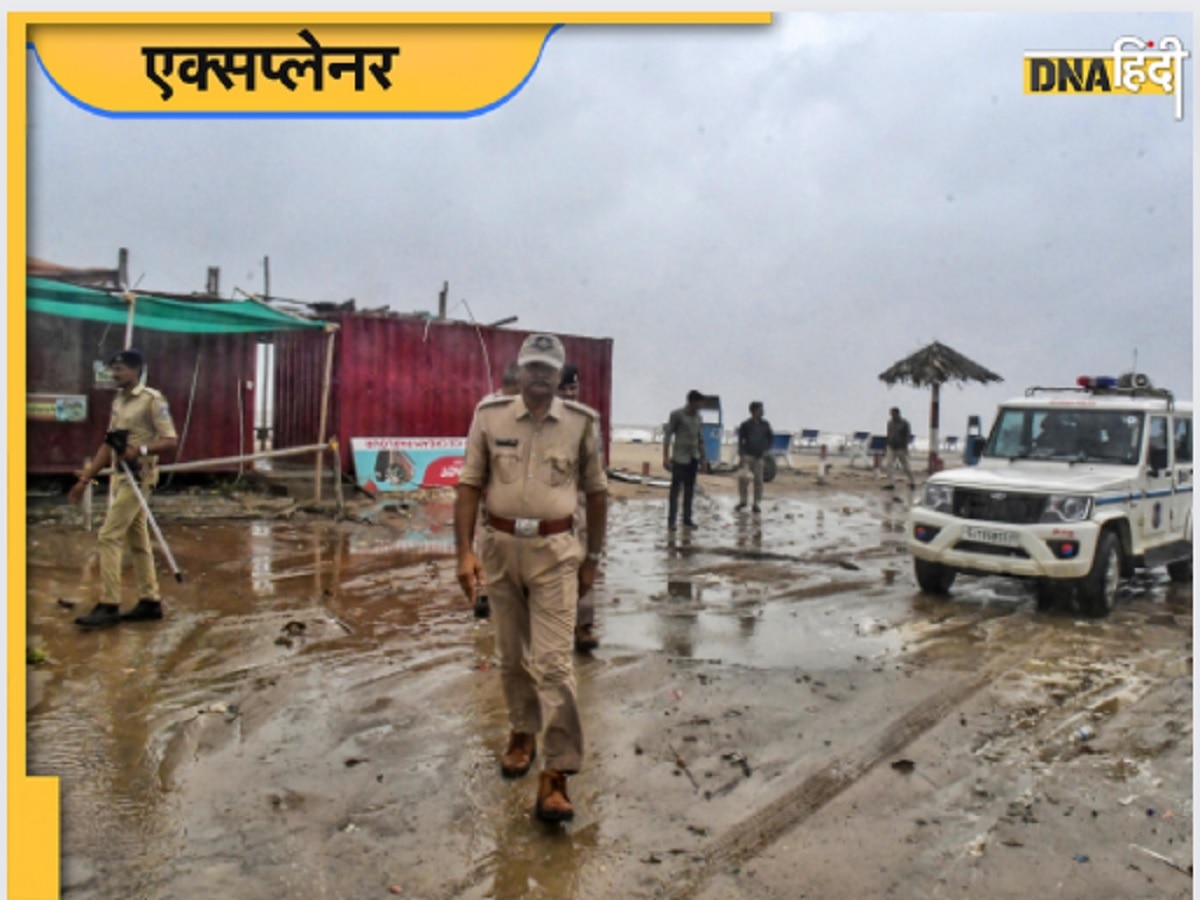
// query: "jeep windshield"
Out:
[1071,435]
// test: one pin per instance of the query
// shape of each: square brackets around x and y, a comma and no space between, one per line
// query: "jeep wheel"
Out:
[933,577]
[1098,589]
[1180,571]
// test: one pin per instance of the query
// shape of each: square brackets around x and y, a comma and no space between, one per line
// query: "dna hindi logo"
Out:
[1132,67]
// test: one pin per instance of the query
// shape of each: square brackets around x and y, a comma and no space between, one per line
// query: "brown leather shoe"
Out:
[553,804]
[521,752]
[585,639]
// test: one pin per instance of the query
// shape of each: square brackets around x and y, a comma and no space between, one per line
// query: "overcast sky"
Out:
[762,212]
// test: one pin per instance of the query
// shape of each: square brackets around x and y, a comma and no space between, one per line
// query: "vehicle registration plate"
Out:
[998,536]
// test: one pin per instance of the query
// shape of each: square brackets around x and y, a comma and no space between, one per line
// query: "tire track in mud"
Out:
[762,828]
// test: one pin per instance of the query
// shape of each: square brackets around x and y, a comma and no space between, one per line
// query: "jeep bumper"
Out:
[1063,550]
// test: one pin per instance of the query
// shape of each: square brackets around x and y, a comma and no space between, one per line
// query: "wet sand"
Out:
[775,711]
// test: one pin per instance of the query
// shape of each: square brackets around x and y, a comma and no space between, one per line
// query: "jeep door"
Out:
[1159,482]
[1182,501]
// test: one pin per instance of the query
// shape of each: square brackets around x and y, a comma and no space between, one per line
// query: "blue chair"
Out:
[876,445]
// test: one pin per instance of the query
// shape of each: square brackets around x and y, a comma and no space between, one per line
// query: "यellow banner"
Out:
[302,68]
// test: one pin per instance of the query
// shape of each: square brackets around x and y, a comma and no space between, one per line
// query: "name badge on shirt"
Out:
[506,442]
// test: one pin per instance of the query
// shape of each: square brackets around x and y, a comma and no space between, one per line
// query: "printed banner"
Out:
[389,465]
[56,407]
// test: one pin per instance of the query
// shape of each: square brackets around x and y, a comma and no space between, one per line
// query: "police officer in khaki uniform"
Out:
[143,412]
[532,453]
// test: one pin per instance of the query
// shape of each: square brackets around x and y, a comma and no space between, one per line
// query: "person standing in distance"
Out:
[899,436]
[532,453]
[683,455]
[585,616]
[142,412]
[754,443]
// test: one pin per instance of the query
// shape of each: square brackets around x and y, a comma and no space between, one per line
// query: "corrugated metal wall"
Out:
[59,360]
[410,377]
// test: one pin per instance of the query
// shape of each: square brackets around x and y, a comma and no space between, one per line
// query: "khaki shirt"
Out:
[145,414]
[533,471]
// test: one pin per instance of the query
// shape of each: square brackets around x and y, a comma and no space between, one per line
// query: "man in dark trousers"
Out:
[754,443]
[532,453]
[141,412]
[585,615]
[683,455]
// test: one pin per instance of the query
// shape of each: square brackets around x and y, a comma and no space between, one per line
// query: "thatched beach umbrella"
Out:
[934,365]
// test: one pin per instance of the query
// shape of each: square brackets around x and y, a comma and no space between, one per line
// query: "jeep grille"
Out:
[998,506]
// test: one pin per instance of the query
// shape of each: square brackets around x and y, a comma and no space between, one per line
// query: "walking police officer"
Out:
[532,453]
[142,412]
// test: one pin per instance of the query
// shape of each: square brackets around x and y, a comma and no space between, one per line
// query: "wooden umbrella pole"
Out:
[331,330]
[933,427]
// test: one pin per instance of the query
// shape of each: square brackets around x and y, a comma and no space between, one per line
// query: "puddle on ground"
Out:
[816,585]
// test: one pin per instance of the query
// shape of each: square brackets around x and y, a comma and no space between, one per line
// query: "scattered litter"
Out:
[1165,859]
[1083,733]
[976,847]
[904,765]
[1081,857]
[737,759]
[356,761]
[395,889]
[1150,811]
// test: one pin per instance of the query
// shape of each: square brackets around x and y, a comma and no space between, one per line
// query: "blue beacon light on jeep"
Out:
[1099,382]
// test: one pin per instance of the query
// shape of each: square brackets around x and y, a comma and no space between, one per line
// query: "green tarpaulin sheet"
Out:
[57,298]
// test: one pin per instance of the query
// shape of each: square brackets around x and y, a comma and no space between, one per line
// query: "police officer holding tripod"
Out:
[140,428]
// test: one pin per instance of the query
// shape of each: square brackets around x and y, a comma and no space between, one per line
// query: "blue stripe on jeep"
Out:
[1119,498]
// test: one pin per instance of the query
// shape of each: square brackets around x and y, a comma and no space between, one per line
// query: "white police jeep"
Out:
[1075,487]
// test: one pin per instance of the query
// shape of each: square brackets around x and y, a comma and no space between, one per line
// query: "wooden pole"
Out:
[132,301]
[933,428]
[331,330]
[337,475]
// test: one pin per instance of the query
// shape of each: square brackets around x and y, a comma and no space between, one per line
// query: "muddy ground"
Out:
[775,711]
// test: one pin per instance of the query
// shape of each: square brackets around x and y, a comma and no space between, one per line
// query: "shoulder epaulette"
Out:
[496,400]
[582,408]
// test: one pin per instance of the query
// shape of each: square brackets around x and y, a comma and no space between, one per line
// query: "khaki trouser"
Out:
[893,458]
[126,523]
[752,468]
[533,585]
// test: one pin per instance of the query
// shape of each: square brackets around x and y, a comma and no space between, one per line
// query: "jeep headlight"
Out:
[1067,508]
[938,497]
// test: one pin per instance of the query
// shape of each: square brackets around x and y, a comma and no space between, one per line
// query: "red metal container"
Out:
[408,376]
[206,378]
